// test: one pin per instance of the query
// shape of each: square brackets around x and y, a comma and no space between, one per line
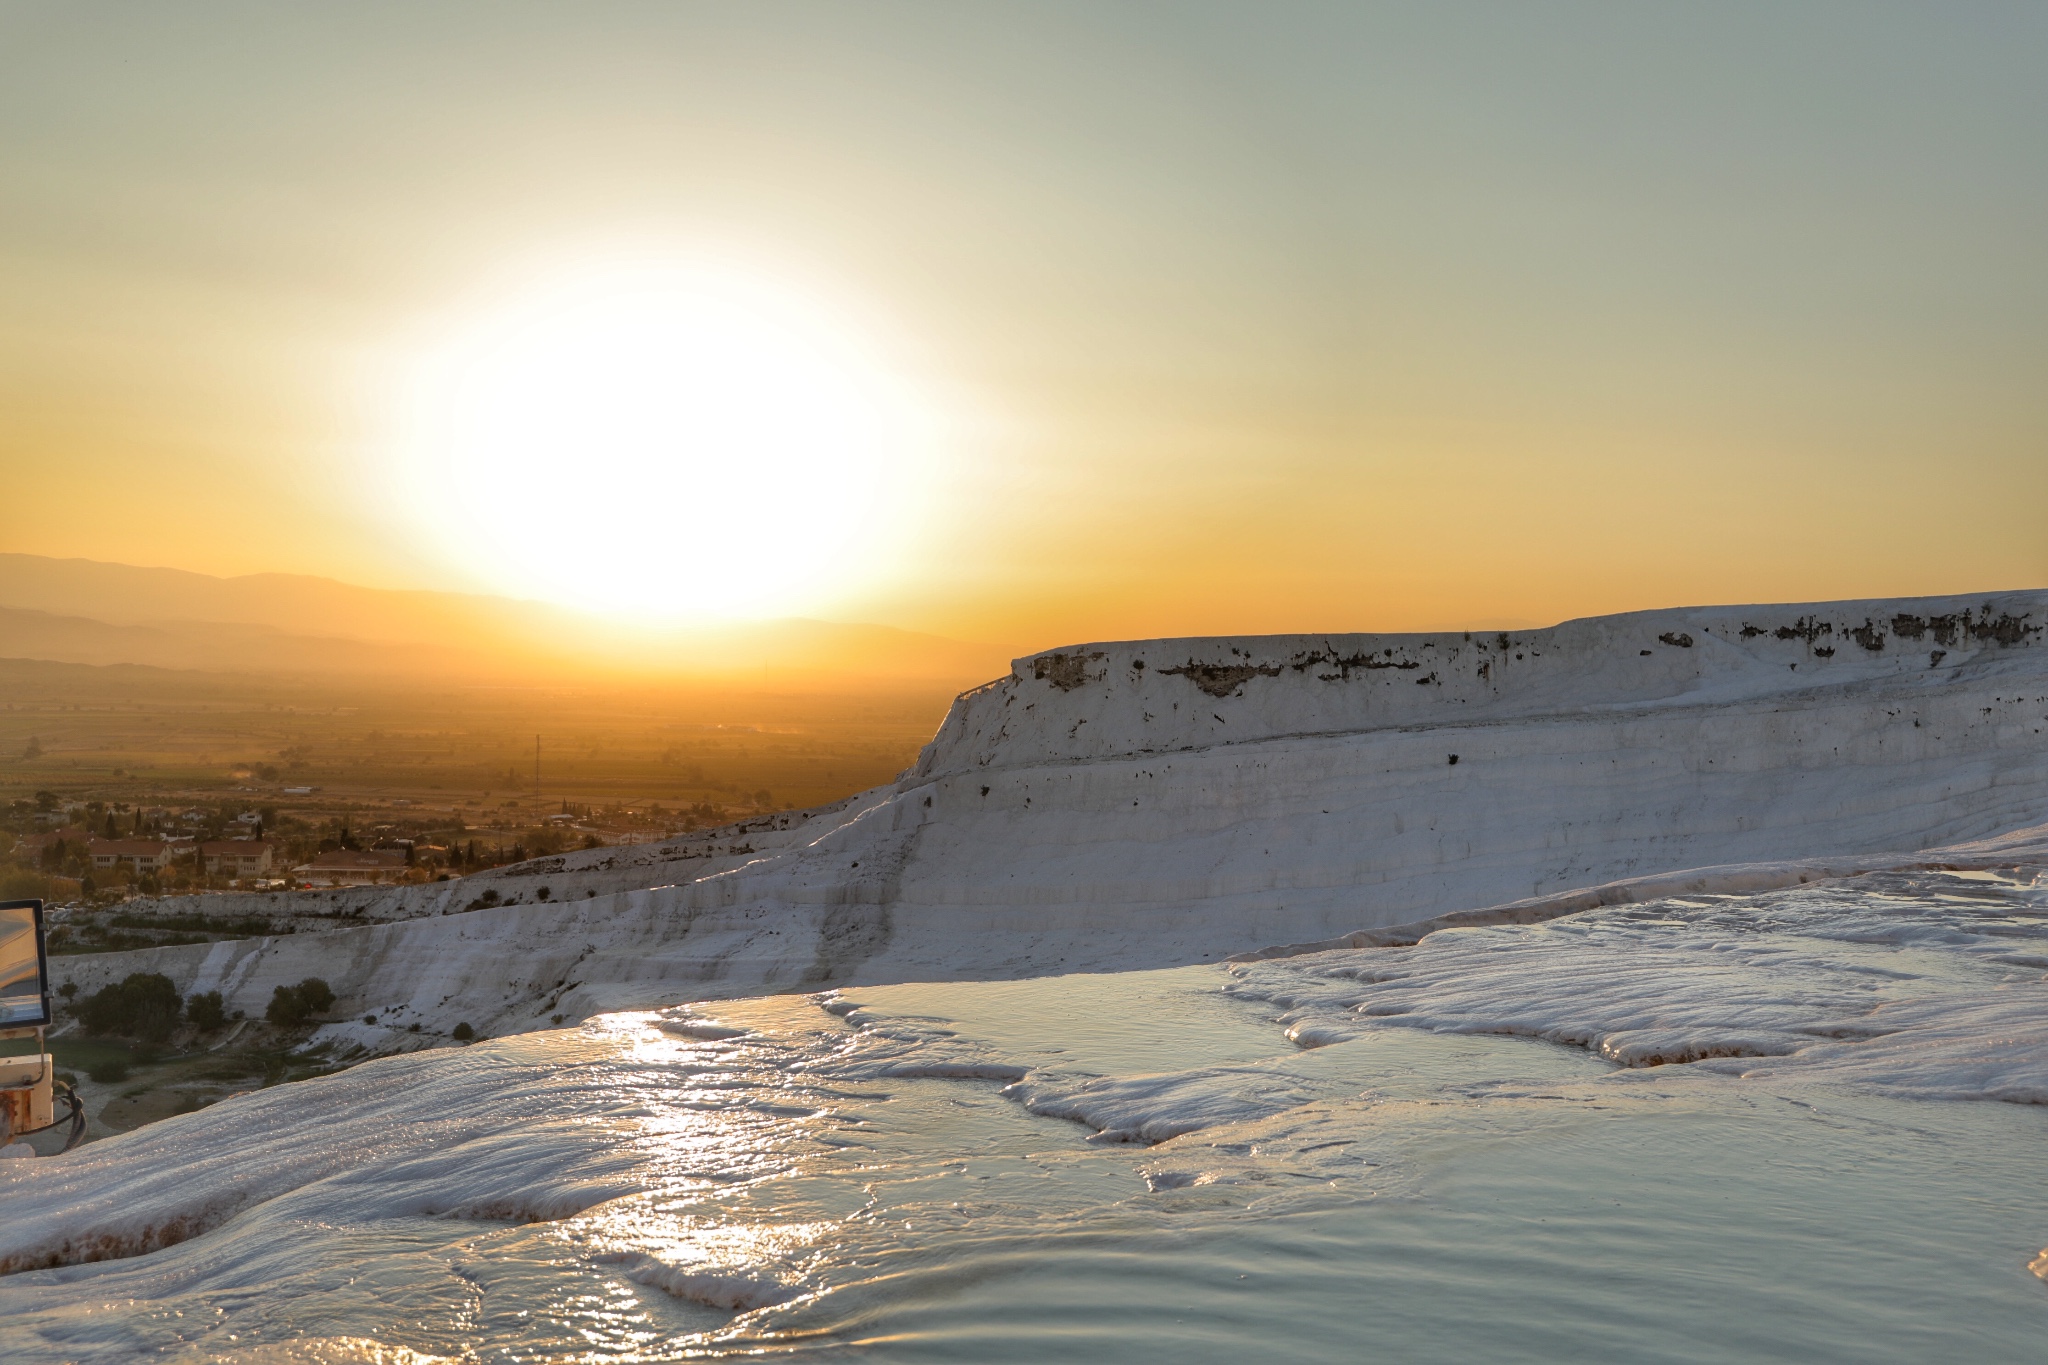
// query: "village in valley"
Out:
[154,849]
[151,808]
[120,875]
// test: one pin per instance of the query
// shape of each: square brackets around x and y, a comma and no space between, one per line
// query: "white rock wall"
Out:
[1160,696]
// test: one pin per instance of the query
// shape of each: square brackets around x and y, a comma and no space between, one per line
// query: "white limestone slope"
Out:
[1135,804]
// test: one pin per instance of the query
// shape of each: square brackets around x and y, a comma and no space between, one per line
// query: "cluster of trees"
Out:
[146,1007]
[23,883]
[472,854]
[291,1006]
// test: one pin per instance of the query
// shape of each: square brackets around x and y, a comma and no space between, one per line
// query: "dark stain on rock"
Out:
[2003,629]
[1934,658]
[1222,680]
[1345,663]
[1676,639]
[2006,629]
[1805,628]
[1454,760]
[1825,652]
[1066,671]
[1868,635]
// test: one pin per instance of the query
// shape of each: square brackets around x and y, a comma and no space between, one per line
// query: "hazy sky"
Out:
[1218,318]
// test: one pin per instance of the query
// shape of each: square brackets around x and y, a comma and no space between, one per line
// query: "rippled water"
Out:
[1724,1128]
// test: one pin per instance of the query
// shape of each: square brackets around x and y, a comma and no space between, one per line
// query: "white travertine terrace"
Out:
[1137,804]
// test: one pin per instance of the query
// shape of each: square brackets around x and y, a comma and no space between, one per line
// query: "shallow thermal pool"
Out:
[1718,1128]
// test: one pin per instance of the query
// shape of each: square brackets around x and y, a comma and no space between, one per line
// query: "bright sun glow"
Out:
[664,443]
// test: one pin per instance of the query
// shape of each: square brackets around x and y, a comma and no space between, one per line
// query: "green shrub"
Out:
[285,1009]
[144,1006]
[109,1072]
[291,1006]
[20,884]
[463,1033]
[207,1012]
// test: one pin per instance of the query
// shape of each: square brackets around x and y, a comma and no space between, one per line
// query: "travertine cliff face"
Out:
[1159,696]
[1164,801]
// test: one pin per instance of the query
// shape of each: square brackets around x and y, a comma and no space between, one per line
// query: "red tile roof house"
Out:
[237,857]
[145,855]
[74,836]
[344,867]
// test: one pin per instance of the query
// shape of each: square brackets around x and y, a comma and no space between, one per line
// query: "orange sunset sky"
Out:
[1037,323]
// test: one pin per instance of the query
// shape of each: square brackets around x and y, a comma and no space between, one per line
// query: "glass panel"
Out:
[21,973]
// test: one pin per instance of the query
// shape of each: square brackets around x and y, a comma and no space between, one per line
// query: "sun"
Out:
[660,443]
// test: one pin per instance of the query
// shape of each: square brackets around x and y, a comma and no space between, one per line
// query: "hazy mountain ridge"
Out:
[91,612]
[210,646]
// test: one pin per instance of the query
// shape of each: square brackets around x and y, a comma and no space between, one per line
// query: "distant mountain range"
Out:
[90,612]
